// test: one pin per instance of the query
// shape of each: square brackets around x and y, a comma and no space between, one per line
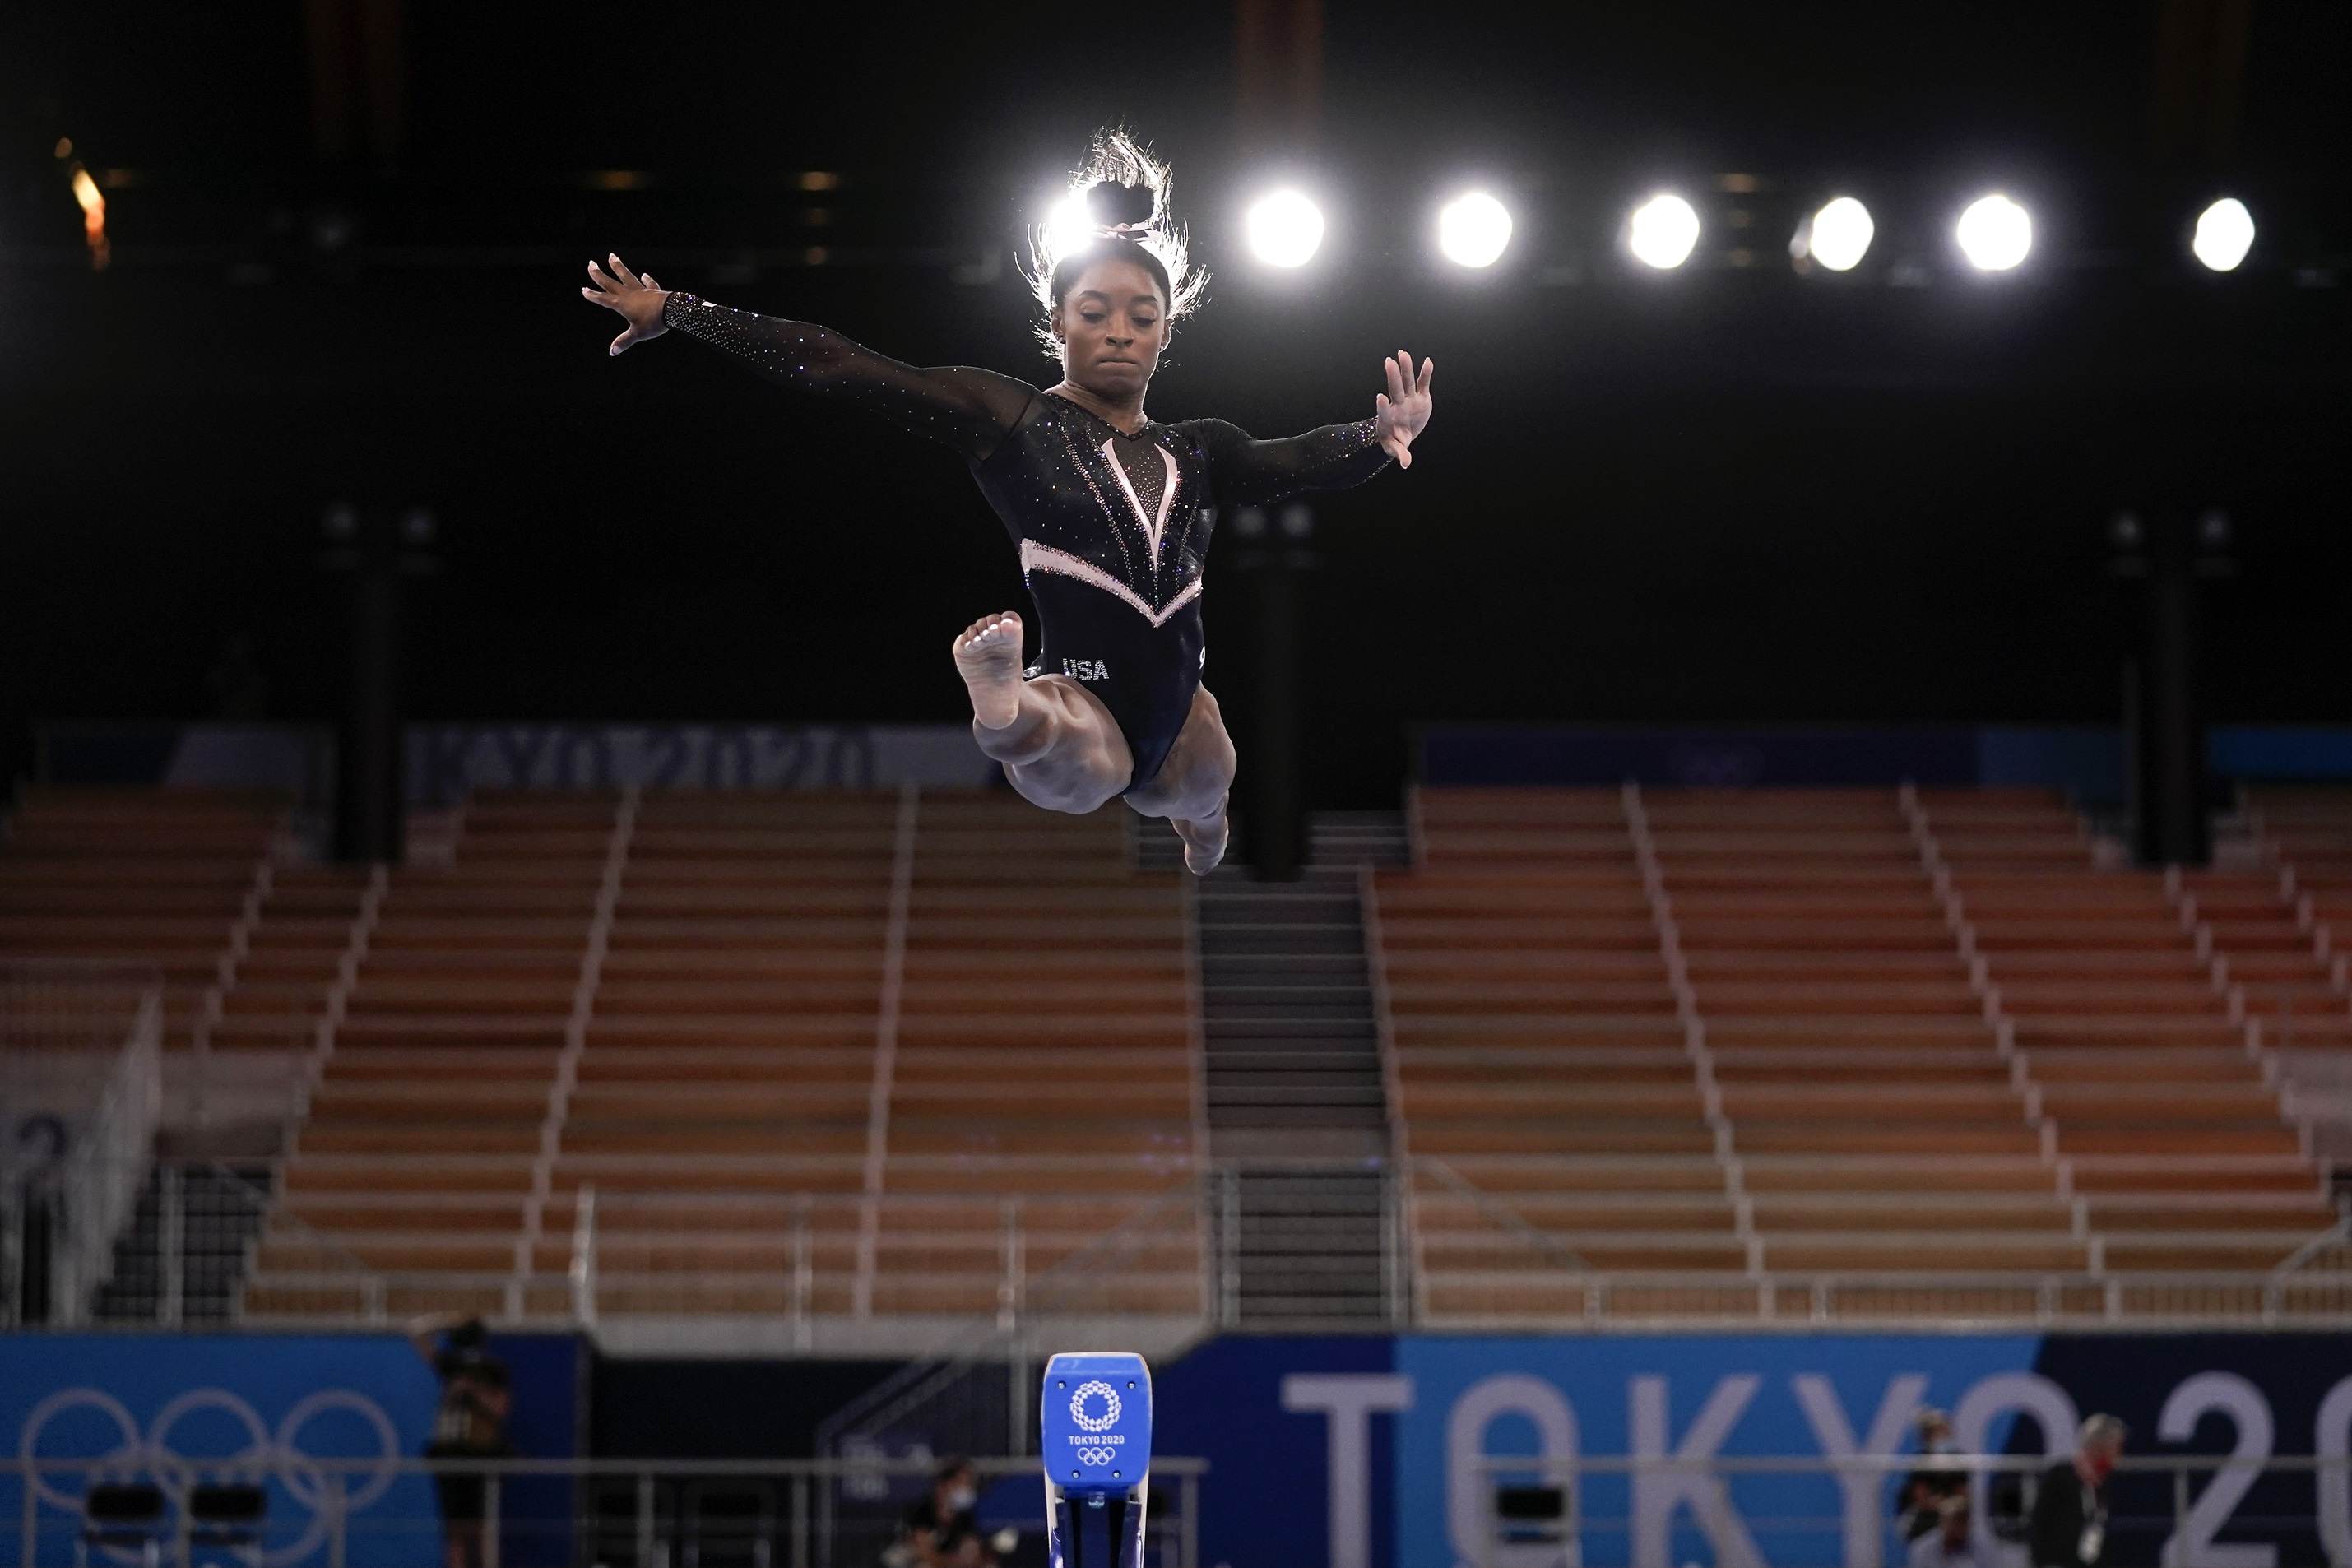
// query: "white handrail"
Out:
[372,1284]
[208,1018]
[2337,1234]
[576,1030]
[804,1282]
[338,995]
[583,1254]
[1687,1011]
[886,1039]
[99,1181]
[1946,1298]
[1008,1292]
[1196,1049]
[1400,1220]
[913,1382]
[1511,1219]
[1376,965]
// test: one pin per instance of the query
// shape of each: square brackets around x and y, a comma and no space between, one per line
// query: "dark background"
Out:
[1726,493]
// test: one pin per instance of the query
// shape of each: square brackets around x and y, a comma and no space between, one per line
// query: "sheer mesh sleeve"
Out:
[1246,472]
[958,406]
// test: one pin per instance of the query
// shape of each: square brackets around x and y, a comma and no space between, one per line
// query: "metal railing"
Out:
[2329,1244]
[84,1039]
[807,1257]
[1074,1287]
[1532,1298]
[958,1280]
[973,1395]
[1494,1208]
[2161,1508]
[184,1257]
[69,1005]
[618,1514]
[100,1178]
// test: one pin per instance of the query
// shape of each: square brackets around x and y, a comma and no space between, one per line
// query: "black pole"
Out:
[2173,832]
[377,547]
[37,1248]
[2164,713]
[370,821]
[1273,811]
[1278,833]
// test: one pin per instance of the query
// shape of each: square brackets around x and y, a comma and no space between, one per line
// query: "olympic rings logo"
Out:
[274,1454]
[1097,1456]
[1109,1397]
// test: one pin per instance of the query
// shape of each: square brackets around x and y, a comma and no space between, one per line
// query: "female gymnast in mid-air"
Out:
[1111,509]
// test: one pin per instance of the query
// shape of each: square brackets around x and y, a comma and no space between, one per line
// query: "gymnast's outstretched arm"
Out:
[1333,458]
[960,406]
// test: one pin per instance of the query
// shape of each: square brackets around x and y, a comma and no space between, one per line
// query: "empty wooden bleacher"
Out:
[813,1060]
[421,1154]
[152,879]
[2060,1094]
[1543,1084]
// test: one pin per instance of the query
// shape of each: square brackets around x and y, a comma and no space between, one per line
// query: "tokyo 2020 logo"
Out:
[1096,1389]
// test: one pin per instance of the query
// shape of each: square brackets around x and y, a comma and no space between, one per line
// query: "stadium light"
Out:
[1994,233]
[1472,229]
[1662,231]
[1068,224]
[1837,236]
[1285,229]
[2225,232]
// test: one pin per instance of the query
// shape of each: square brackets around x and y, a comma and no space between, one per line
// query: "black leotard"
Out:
[1112,526]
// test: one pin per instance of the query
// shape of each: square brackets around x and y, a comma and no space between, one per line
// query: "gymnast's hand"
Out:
[638,301]
[1403,408]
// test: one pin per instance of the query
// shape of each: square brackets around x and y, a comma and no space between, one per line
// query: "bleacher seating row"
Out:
[1853,1035]
[804,1051]
[1650,1052]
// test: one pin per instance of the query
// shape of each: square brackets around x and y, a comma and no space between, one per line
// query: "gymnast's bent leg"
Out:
[1058,744]
[1194,784]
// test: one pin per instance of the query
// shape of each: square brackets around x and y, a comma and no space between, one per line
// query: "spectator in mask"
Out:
[2069,1525]
[1953,1542]
[1919,1507]
[941,1532]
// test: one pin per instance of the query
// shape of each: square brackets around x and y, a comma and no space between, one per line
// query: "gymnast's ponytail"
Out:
[1122,191]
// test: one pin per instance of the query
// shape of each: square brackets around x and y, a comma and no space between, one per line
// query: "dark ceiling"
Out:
[338,268]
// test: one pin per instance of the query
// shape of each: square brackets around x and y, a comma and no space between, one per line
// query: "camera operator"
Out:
[469,1424]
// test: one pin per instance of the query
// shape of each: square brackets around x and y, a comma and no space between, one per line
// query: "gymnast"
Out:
[1110,510]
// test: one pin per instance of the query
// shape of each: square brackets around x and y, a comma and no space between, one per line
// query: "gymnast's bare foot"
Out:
[988,657]
[1204,840]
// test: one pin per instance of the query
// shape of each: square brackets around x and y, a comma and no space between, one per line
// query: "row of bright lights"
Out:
[1285,229]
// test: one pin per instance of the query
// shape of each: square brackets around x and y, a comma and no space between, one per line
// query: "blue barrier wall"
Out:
[1362,1453]
[194,1404]
[1358,1452]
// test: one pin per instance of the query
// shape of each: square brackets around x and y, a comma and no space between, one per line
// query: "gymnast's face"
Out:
[1112,325]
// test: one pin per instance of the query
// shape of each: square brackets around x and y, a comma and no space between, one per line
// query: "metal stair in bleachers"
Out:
[1352,838]
[1293,1044]
[181,1258]
[1297,1110]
